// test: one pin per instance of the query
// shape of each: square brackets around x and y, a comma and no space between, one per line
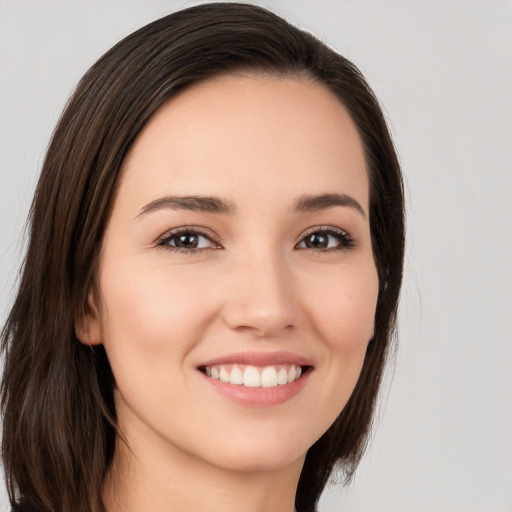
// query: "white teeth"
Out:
[236,376]
[224,375]
[253,377]
[269,377]
[282,376]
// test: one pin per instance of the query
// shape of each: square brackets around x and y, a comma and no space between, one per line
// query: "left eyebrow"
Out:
[309,203]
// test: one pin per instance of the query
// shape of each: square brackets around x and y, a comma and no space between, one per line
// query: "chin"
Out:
[265,453]
[252,462]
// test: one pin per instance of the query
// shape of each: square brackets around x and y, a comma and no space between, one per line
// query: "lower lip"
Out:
[258,397]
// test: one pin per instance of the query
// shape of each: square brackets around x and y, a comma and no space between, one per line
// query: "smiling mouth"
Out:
[255,376]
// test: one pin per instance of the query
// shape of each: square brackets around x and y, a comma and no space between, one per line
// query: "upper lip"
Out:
[259,359]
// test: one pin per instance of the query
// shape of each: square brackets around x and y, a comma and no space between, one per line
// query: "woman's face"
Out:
[238,250]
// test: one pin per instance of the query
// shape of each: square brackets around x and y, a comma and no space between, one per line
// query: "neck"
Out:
[144,477]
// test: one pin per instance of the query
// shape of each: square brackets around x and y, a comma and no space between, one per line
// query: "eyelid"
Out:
[162,240]
[348,240]
[323,228]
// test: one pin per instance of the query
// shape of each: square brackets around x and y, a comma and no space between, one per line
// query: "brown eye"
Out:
[326,239]
[187,240]
[317,241]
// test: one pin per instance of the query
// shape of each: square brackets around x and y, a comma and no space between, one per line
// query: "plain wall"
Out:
[443,71]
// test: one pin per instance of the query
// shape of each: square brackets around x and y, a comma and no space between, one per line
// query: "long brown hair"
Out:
[59,428]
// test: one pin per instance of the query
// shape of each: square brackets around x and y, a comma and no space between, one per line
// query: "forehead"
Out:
[252,134]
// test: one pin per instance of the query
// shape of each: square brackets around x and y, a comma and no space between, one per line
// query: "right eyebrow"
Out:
[207,204]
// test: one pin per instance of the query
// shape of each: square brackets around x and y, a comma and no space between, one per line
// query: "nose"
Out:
[261,298]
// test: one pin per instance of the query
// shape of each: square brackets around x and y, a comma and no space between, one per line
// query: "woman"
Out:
[212,276]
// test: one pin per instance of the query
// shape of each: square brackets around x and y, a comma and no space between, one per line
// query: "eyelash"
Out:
[346,242]
[185,230]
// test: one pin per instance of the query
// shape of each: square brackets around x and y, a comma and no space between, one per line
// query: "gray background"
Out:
[443,71]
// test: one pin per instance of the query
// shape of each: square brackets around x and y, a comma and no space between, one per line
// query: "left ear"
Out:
[88,327]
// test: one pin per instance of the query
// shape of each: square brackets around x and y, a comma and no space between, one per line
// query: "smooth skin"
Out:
[257,276]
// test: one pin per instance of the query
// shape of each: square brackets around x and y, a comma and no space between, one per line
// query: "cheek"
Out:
[344,311]
[344,304]
[151,314]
